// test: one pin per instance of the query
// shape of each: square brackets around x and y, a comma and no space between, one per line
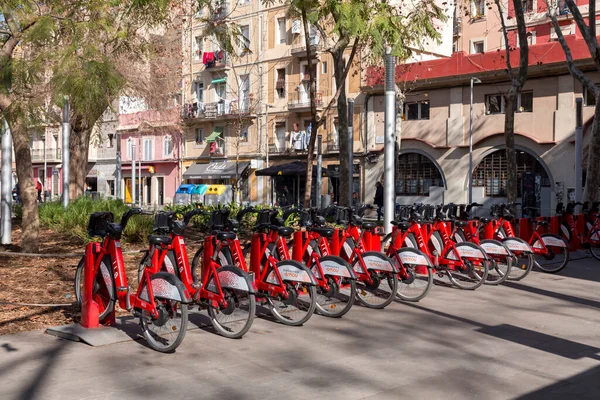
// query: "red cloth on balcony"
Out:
[208,57]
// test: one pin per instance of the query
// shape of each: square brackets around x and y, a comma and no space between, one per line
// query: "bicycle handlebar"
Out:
[131,212]
[187,217]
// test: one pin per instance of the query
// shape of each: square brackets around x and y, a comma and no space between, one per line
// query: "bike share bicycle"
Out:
[589,239]
[225,291]
[286,287]
[161,298]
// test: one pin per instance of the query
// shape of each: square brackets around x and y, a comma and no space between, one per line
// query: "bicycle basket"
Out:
[263,217]
[161,221]
[98,225]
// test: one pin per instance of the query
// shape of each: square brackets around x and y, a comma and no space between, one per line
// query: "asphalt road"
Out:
[538,338]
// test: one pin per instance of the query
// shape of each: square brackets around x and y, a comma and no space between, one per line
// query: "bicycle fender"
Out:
[233,278]
[494,247]
[550,239]
[414,257]
[517,244]
[292,271]
[375,261]
[167,286]
[468,250]
[335,266]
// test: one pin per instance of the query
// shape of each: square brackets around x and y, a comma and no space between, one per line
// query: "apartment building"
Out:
[433,157]
[228,97]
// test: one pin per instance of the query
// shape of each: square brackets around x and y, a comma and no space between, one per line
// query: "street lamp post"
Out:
[267,106]
[473,80]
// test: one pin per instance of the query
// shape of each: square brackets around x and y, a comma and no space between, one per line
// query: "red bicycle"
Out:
[161,298]
[590,237]
[376,275]
[286,287]
[336,282]
[225,291]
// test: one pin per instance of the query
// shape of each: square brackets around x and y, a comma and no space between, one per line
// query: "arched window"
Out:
[167,146]
[491,172]
[416,173]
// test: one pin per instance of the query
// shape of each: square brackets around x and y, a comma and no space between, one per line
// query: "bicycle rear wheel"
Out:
[103,289]
[382,289]
[472,273]
[298,307]
[595,247]
[339,298]
[557,257]
[417,283]
[234,320]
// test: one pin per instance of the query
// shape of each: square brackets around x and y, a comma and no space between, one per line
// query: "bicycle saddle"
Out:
[462,224]
[159,240]
[368,225]
[284,231]
[114,229]
[226,235]
[542,223]
[402,225]
[484,220]
[325,232]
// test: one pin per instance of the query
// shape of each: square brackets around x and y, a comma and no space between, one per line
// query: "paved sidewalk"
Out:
[532,339]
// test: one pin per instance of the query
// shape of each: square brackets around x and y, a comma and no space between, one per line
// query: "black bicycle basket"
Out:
[161,221]
[98,225]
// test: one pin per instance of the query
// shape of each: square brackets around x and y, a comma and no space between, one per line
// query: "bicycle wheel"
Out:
[521,266]
[339,298]
[557,256]
[501,262]
[595,247]
[414,281]
[166,332]
[103,290]
[234,320]
[224,258]
[300,304]
[474,270]
[385,242]
[382,289]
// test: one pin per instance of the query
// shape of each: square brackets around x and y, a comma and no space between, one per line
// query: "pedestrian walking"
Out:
[38,187]
[355,199]
[378,200]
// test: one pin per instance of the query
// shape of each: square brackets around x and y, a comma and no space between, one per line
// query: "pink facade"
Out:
[155,139]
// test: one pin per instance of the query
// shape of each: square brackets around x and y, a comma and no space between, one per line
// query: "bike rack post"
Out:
[524,229]
[554,225]
[335,244]
[89,308]
[297,247]
[580,223]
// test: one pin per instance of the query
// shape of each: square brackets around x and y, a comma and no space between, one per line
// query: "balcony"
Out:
[52,155]
[303,103]
[221,110]
[299,49]
[222,10]
[108,153]
[221,62]
[332,147]
[457,28]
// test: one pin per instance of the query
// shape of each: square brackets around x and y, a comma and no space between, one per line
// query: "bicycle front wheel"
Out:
[298,307]
[380,291]
[594,245]
[473,271]
[557,256]
[103,289]
[235,319]
[416,284]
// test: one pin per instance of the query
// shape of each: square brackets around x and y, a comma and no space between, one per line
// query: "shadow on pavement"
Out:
[581,386]
[549,293]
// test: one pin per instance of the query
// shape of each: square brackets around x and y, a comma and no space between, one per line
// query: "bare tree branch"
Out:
[506,45]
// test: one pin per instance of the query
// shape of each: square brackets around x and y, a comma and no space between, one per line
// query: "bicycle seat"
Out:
[114,229]
[368,225]
[402,225]
[325,232]
[462,224]
[484,220]
[542,223]
[285,231]
[159,240]
[226,235]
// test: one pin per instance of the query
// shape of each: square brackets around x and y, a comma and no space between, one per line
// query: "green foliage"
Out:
[73,221]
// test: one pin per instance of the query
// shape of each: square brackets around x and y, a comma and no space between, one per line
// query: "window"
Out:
[167,146]
[528,6]
[111,137]
[495,103]
[130,148]
[335,128]
[477,47]
[245,40]
[416,110]
[280,84]
[477,9]
[148,147]
[244,135]
[110,185]
[281,31]
[491,173]
[200,92]
[198,48]
[324,67]
[566,31]
[221,91]
[530,39]
[244,102]
[199,135]
[416,174]
[588,98]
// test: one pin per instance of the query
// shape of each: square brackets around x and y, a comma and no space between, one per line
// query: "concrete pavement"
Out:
[538,338]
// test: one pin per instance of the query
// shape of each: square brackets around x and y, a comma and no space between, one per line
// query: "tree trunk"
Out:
[79,143]
[31,222]
[342,110]
[592,181]
[509,138]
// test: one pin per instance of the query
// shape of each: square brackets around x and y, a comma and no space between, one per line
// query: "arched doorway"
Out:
[419,179]
[533,182]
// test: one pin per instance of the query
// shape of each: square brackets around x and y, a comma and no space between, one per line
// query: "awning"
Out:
[216,170]
[214,135]
[296,168]
[218,80]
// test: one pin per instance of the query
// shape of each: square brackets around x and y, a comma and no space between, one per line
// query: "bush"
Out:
[73,221]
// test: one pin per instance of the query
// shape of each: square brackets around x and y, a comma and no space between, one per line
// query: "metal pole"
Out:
[6,185]
[350,150]
[66,130]
[389,143]
[44,182]
[578,150]
[133,183]
[267,193]
[118,173]
[471,146]
[139,186]
[319,169]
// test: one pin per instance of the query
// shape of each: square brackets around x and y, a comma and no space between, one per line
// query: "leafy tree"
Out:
[588,32]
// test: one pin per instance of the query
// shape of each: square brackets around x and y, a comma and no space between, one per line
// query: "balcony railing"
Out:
[52,154]
[299,49]
[220,61]
[109,153]
[295,105]
[215,110]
